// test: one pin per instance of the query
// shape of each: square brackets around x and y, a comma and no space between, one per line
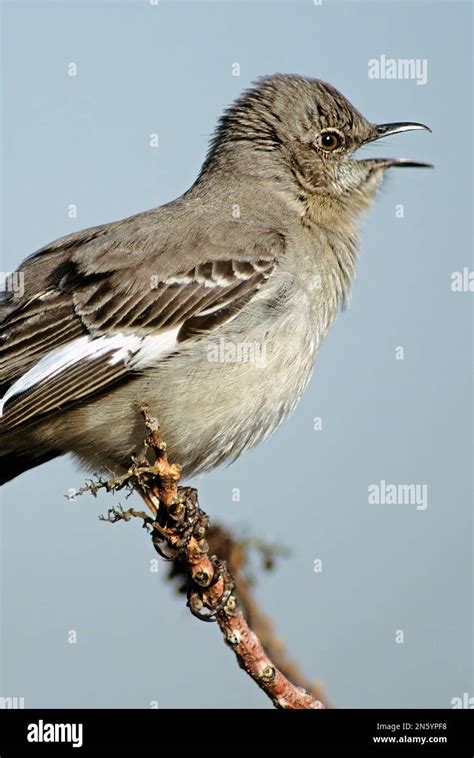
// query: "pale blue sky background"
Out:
[85,140]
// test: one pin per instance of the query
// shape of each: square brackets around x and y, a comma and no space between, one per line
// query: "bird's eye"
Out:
[330,141]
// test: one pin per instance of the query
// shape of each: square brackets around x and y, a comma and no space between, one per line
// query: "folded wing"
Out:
[105,304]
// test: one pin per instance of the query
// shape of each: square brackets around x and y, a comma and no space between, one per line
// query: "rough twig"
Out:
[235,553]
[179,529]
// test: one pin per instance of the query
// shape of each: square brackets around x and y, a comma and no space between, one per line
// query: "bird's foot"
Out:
[186,521]
[201,601]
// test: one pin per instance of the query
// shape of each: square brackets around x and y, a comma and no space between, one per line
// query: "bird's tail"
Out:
[14,464]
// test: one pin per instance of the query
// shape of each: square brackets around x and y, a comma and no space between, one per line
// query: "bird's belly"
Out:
[236,393]
[213,399]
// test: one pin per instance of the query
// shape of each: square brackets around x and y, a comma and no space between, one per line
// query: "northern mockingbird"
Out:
[210,309]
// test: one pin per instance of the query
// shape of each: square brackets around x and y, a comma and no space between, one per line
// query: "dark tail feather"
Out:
[14,464]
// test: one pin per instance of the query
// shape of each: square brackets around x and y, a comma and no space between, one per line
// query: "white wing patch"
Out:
[155,347]
[133,351]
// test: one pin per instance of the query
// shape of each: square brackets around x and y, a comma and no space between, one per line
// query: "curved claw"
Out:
[167,556]
[207,615]
[195,599]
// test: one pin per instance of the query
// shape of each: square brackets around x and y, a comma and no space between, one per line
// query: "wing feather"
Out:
[122,281]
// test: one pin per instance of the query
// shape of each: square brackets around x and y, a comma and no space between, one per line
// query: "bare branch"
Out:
[179,531]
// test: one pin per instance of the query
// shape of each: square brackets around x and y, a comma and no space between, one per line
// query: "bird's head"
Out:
[302,130]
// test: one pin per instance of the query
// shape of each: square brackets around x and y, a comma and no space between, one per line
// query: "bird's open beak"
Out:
[384,130]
